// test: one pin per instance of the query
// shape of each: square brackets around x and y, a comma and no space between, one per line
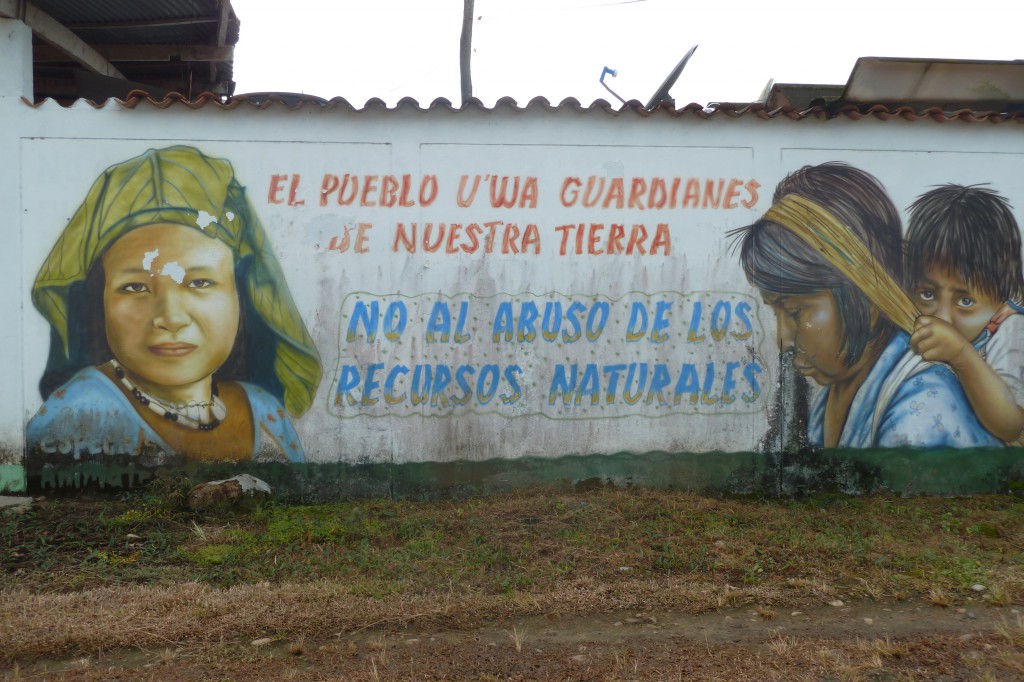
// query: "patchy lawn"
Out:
[89,579]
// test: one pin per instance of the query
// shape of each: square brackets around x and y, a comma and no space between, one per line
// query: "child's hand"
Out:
[936,340]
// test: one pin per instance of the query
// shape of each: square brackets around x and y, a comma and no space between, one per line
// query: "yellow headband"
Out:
[844,250]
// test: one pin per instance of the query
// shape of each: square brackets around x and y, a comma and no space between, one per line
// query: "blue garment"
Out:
[927,408]
[90,416]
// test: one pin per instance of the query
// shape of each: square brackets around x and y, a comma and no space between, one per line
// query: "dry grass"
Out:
[14,674]
[378,662]
[1011,661]
[747,659]
[115,617]
[199,532]
[887,648]
[1012,633]
[855,663]
[938,597]
[782,645]
[998,595]
[626,667]
[355,567]
[381,646]
[871,590]
[819,589]
[518,637]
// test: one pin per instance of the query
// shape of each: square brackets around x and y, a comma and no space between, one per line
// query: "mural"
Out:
[828,257]
[557,356]
[173,333]
[963,257]
[562,300]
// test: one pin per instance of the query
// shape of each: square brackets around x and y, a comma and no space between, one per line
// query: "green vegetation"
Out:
[526,542]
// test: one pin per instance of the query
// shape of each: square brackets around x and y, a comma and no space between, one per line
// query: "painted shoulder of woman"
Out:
[88,417]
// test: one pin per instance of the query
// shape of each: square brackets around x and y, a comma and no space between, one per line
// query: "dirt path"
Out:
[524,586]
[864,640]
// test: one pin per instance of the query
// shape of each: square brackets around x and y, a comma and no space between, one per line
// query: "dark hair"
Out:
[776,260]
[967,230]
[251,357]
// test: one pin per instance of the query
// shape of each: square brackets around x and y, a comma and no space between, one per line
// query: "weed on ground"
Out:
[143,570]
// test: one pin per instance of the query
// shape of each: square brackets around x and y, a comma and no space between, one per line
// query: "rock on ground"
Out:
[227,492]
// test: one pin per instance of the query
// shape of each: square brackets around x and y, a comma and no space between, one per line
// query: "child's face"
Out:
[945,295]
[170,303]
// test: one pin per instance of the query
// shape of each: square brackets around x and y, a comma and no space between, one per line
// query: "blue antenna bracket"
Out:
[613,73]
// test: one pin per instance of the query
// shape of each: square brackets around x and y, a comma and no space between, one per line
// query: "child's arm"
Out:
[993,402]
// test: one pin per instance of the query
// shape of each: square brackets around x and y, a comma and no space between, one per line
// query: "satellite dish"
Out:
[662,94]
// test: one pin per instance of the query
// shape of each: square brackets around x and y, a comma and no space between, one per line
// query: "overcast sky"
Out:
[358,49]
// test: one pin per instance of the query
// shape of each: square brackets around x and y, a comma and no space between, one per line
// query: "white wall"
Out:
[15,82]
[53,154]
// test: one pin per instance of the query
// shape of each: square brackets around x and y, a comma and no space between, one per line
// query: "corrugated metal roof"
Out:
[296,102]
[196,33]
[107,11]
[946,83]
[142,22]
[184,45]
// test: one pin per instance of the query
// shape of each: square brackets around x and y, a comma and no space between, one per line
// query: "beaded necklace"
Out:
[190,415]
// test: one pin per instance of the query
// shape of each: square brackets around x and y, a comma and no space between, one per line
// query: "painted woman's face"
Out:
[171,304]
[810,326]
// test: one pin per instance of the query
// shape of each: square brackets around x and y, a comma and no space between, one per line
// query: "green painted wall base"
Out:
[952,472]
[12,478]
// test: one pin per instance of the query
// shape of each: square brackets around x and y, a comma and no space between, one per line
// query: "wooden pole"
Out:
[466,50]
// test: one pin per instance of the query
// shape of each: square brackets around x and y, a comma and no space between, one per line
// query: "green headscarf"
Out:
[182,186]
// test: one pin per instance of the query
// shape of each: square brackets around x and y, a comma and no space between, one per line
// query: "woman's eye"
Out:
[134,288]
[926,295]
[200,283]
[965,302]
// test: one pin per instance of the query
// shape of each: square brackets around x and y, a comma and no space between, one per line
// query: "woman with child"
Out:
[878,392]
